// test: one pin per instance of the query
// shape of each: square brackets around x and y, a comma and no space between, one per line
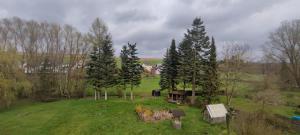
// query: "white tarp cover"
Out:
[216,110]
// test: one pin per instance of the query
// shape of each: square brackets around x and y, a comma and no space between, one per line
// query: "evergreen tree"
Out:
[173,65]
[92,69]
[200,54]
[211,84]
[169,75]
[101,70]
[124,74]
[134,67]
[108,66]
[185,56]
[164,76]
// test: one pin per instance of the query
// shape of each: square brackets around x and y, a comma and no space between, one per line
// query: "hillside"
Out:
[87,117]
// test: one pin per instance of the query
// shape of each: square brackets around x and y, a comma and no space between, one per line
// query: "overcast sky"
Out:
[153,23]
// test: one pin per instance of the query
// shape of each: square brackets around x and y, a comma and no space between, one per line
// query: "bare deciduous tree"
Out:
[234,58]
[284,45]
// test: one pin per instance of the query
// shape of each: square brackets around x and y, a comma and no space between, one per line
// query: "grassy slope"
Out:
[85,116]
[117,116]
[247,86]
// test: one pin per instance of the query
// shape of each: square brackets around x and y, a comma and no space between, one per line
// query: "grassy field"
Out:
[86,116]
[117,116]
[151,61]
[147,61]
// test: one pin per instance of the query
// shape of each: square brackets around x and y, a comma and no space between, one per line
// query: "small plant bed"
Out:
[148,115]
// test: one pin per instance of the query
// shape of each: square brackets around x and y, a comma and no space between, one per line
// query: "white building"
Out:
[215,113]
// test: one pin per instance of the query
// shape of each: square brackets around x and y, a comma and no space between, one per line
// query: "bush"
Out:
[138,109]
[297,111]
[253,124]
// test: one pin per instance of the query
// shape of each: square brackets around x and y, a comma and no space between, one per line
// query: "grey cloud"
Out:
[153,23]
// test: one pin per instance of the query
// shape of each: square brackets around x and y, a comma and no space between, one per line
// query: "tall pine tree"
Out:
[164,76]
[184,68]
[108,65]
[211,84]
[101,69]
[135,68]
[199,49]
[169,75]
[124,74]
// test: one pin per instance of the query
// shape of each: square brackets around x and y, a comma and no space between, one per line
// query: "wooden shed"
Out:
[156,93]
[215,113]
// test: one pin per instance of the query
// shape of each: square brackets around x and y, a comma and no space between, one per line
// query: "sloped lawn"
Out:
[86,116]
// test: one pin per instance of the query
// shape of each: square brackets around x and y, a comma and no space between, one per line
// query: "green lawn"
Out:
[151,61]
[86,116]
[117,116]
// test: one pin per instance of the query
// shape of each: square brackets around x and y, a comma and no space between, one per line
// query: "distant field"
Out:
[151,61]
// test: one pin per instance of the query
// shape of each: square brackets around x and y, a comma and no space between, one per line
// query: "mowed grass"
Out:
[151,61]
[86,116]
[147,85]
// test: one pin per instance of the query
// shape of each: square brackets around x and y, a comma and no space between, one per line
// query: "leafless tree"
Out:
[284,45]
[65,48]
[234,58]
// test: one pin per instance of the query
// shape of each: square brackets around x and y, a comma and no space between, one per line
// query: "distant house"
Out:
[154,70]
[215,113]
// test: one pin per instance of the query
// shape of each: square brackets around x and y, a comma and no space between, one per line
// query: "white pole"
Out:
[105,95]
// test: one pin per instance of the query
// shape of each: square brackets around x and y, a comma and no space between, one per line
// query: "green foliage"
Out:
[48,82]
[195,60]
[102,69]
[124,73]
[134,66]
[211,82]
[185,57]
[169,70]
[13,81]
[131,68]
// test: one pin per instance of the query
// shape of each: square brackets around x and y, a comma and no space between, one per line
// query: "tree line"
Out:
[102,71]
[47,61]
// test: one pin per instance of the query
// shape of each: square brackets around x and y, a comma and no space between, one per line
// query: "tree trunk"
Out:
[131,93]
[194,80]
[99,94]
[125,92]
[105,95]
[95,95]
[125,95]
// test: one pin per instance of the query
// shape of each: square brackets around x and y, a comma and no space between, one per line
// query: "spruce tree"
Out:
[173,65]
[164,76]
[124,74]
[91,70]
[102,71]
[199,51]
[169,75]
[185,56]
[211,84]
[108,65]
[134,67]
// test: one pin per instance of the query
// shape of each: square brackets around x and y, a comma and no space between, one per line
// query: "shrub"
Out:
[148,113]
[139,109]
[297,111]
[253,124]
